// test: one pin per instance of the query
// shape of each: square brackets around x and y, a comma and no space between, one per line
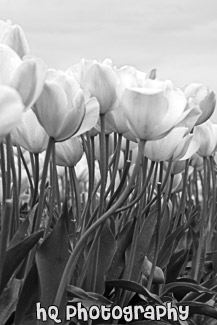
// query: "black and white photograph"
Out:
[108,162]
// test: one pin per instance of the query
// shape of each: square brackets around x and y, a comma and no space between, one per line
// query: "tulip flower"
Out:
[158,273]
[129,77]
[116,121]
[11,110]
[26,76]
[178,166]
[101,83]
[196,161]
[162,149]
[61,108]
[202,97]
[29,134]
[187,147]
[154,110]
[79,71]
[14,37]
[208,138]
[69,152]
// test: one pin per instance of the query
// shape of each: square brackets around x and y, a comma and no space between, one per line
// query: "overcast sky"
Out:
[179,38]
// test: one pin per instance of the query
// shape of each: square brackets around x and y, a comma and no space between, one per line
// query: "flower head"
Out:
[14,37]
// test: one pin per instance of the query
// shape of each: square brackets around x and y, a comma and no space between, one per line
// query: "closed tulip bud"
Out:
[158,277]
[29,134]
[101,83]
[82,170]
[26,76]
[202,97]
[154,110]
[14,37]
[208,138]
[178,166]
[196,161]
[11,110]
[69,152]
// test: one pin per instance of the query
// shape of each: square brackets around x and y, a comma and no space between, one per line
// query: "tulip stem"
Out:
[202,237]
[11,166]
[53,190]
[3,173]
[142,192]
[75,185]
[72,261]
[5,231]
[103,164]
[183,196]
[51,143]
[114,172]
[157,236]
[27,172]
[36,179]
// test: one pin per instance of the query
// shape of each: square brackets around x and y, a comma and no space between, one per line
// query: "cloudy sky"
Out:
[179,38]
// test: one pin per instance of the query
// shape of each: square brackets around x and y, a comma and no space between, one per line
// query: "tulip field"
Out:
[108,192]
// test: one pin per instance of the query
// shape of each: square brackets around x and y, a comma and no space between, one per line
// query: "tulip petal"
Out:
[15,38]
[163,149]
[207,106]
[69,152]
[29,79]
[187,147]
[91,116]
[144,110]
[50,108]
[11,109]
[9,62]
[29,133]
[101,83]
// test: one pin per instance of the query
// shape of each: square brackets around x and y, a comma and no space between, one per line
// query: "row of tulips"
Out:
[108,181]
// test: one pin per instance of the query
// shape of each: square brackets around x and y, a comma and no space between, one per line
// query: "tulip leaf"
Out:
[134,287]
[164,227]
[8,300]
[123,240]
[199,308]
[29,296]
[188,287]
[142,245]
[168,247]
[15,255]
[209,284]
[107,246]
[51,259]
[175,265]
[22,232]
[76,292]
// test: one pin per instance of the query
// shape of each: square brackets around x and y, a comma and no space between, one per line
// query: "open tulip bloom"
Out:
[107,191]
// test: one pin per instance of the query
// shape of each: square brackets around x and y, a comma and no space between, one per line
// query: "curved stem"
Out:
[75,254]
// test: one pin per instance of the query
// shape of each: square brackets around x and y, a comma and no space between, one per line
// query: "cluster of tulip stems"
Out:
[110,174]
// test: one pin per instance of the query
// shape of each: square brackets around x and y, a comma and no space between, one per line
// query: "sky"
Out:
[178,38]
